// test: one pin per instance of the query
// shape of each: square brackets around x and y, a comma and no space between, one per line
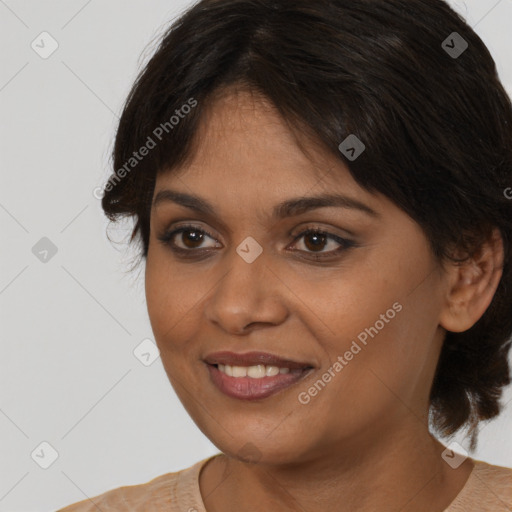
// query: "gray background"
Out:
[69,325]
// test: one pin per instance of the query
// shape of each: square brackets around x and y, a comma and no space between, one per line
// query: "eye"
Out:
[316,239]
[191,238]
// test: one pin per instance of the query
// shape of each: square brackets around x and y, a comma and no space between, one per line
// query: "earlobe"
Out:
[472,285]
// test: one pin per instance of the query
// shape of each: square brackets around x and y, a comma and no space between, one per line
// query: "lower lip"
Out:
[247,388]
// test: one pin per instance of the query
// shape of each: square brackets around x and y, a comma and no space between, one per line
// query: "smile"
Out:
[254,375]
[254,372]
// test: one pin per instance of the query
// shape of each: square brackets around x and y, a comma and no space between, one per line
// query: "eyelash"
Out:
[166,239]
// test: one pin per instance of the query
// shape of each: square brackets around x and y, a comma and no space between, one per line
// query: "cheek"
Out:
[386,366]
[172,302]
[172,309]
[379,343]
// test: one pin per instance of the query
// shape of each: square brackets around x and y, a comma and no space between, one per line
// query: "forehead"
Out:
[248,165]
[243,143]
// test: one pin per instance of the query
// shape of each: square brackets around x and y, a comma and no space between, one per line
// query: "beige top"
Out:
[488,489]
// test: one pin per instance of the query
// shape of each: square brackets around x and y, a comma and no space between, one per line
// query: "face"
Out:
[349,290]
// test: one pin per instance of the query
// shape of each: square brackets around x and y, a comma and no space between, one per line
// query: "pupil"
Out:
[318,243]
[193,238]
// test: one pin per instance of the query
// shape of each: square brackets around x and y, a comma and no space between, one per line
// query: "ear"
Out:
[472,284]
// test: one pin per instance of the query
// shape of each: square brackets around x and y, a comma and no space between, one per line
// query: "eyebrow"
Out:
[288,208]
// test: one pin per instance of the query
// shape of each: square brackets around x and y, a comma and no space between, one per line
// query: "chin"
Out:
[260,449]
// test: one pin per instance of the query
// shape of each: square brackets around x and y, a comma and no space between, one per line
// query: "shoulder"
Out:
[134,496]
[489,488]
[498,478]
[163,493]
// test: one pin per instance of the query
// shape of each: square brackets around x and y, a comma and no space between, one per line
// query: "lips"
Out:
[272,373]
[253,359]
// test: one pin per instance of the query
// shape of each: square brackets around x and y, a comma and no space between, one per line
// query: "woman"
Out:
[320,197]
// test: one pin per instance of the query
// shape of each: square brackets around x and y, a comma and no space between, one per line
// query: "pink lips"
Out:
[247,388]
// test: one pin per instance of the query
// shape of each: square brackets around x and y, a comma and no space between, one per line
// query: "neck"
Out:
[397,472]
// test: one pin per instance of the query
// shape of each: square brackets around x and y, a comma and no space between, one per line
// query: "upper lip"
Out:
[253,359]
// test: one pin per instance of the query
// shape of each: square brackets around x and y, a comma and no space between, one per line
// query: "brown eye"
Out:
[316,240]
[191,239]
[317,244]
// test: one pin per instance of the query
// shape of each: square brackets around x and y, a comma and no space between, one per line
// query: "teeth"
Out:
[255,372]
[239,371]
[270,371]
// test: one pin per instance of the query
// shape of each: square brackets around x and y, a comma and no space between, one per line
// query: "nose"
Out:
[247,296]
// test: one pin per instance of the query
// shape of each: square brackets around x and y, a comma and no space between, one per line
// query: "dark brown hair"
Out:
[437,127]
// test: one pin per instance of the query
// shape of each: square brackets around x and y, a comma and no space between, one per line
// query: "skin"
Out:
[362,443]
